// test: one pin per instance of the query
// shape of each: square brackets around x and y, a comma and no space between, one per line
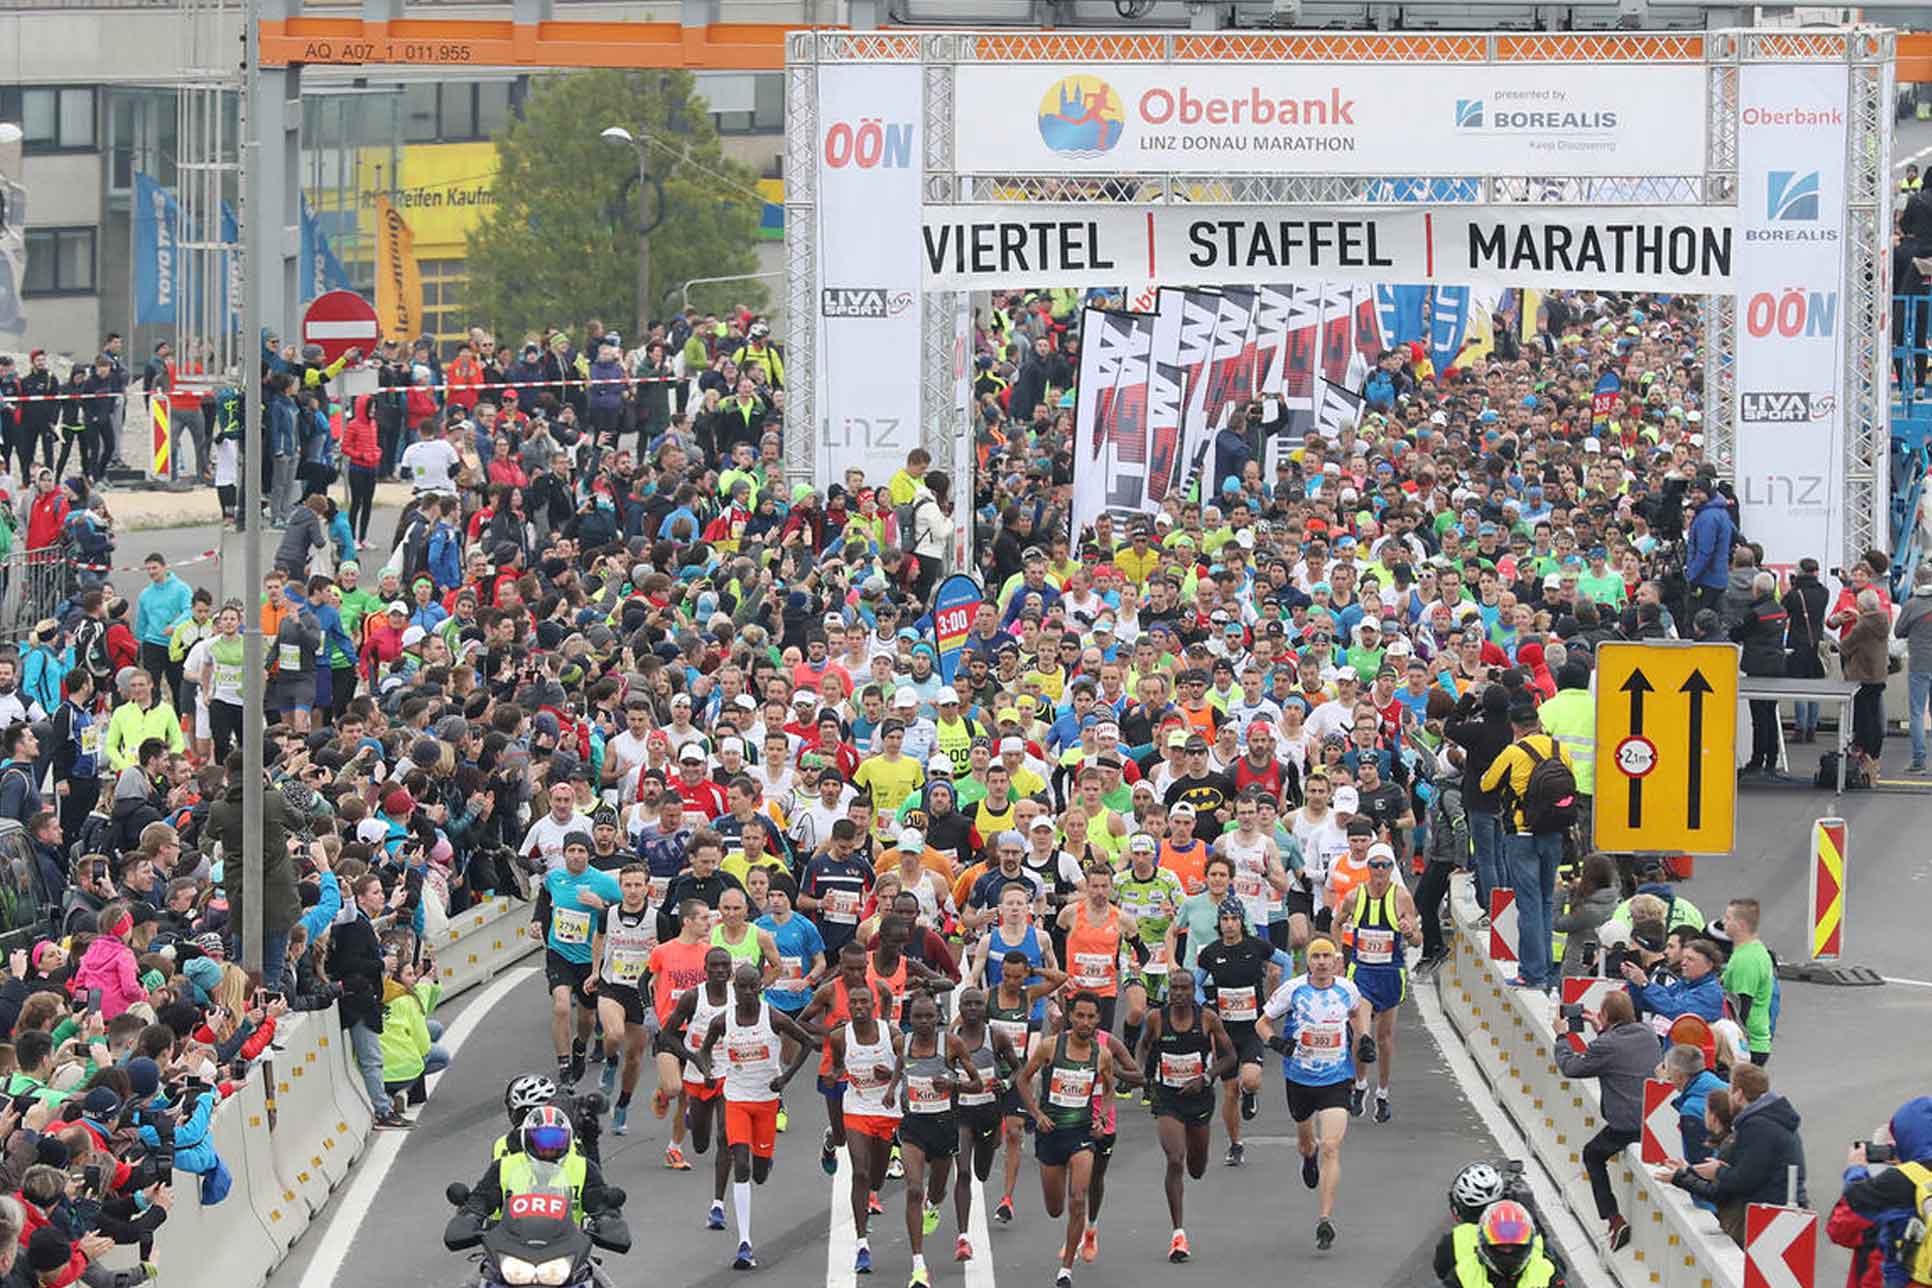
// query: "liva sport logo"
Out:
[1081,116]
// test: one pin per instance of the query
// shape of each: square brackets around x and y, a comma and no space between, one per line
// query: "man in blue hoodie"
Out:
[1707,546]
[159,608]
[1888,1196]
[1698,990]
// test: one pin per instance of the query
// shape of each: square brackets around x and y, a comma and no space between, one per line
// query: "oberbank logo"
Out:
[1081,116]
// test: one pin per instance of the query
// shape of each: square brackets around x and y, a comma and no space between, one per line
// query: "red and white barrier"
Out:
[1663,1133]
[1590,993]
[1503,929]
[1780,1246]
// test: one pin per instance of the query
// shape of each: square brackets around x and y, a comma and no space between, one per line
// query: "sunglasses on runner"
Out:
[1380,863]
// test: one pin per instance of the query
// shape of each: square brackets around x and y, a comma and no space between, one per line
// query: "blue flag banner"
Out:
[157,262]
[231,268]
[321,271]
[1448,324]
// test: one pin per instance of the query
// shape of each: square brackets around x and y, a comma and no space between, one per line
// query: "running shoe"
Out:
[920,1279]
[608,1083]
[895,1166]
[963,1250]
[1382,1111]
[873,1205]
[1357,1100]
[578,1067]
[862,1264]
[1311,1170]
[828,1154]
[1090,1244]
[1124,1092]
[674,1159]
[1004,1212]
[660,1103]
[620,1118]
[714,1219]
[1324,1235]
[1250,1106]
[745,1260]
[929,1219]
[1177,1250]
[1064,1279]
[783,1120]
[1237,1154]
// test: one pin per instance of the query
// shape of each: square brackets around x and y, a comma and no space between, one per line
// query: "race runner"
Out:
[1231,976]
[1014,1010]
[865,1056]
[833,1002]
[1070,1069]
[1150,895]
[703,1093]
[677,967]
[801,959]
[1378,920]
[980,1115]
[573,894]
[625,940]
[1188,1048]
[934,1066]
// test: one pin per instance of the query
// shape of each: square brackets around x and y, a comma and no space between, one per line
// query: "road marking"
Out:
[1579,1249]
[1920,155]
[979,1271]
[375,1165]
[1910,983]
[843,1243]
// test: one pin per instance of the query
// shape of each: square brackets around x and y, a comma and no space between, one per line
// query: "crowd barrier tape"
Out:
[1511,1039]
[481,941]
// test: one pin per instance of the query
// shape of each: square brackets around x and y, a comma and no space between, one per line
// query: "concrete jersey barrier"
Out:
[1510,1038]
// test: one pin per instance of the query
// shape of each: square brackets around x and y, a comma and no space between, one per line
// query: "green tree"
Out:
[560,245]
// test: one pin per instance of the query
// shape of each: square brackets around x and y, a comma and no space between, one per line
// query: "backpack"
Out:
[1913,1247]
[90,647]
[1548,801]
[906,518]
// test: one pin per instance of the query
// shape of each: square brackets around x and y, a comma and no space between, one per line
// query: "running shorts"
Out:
[1055,1148]
[1247,1047]
[982,1120]
[1305,1102]
[1187,1109]
[753,1123]
[626,996]
[703,1092]
[831,1088]
[878,1126]
[1384,987]
[935,1135]
[560,972]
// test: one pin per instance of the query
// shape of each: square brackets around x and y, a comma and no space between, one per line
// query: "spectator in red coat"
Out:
[48,513]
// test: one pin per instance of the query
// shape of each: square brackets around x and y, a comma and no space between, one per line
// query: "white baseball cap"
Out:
[691,751]
[947,693]
[1347,798]
[904,696]
[913,839]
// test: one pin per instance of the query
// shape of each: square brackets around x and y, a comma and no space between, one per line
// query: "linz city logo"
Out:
[863,302]
[1784,408]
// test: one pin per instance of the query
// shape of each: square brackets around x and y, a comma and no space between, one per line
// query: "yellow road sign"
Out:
[1666,745]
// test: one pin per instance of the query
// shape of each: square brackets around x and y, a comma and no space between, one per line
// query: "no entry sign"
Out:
[340,321]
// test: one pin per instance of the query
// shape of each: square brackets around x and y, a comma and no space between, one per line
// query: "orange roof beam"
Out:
[465,42]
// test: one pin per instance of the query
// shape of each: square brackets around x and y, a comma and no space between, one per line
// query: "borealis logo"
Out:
[1791,196]
[1469,114]
[1081,116]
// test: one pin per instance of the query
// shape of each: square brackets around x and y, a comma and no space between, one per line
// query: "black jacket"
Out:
[355,962]
[1482,739]
[1764,1144]
[1762,632]
[1805,606]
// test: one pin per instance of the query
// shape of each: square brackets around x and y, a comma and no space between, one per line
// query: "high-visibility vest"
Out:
[1472,1273]
[1570,718]
[516,1174]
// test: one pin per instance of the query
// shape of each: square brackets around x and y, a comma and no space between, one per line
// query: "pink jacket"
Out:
[109,965]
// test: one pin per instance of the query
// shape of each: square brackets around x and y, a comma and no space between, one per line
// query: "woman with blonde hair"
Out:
[238,1024]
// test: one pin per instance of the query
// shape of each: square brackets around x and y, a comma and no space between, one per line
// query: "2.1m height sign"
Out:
[1666,747]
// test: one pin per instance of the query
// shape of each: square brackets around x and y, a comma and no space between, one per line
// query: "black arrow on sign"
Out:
[1697,687]
[1636,686]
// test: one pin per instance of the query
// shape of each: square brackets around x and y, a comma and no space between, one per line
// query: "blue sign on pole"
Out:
[953,606]
[157,263]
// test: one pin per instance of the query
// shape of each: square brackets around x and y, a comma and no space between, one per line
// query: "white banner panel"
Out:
[1651,248]
[871,156]
[1790,318]
[1325,118]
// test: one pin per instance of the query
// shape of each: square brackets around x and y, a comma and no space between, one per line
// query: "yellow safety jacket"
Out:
[1472,1273]
[516,1174]
[1570,718]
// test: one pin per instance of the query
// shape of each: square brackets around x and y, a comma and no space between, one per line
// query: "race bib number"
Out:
[966,1097]
[1070,1088]
[658,885]
[1320,1043]
[90,740]
[1236,1004]
[1156,960]
[747,1052]
[570,925]
[540,1203]
[924,1097]
[791,971]
[1248,885]
[841,906]
[288,657]
[627,965]
[1093,970]
[1179,1070]
[228,677]
[1374,947]
[1018,1032]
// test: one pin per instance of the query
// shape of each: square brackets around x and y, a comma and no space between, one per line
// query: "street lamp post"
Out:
[618,134]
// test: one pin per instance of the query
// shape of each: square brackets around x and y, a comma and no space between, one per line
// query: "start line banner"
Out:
[1680,249]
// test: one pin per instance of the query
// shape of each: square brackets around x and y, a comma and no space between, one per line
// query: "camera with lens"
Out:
[1878,1151]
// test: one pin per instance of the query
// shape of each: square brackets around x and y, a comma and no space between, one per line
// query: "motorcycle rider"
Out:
[546,1162]
[1476,1187]
[532,1091]
[1505,1252]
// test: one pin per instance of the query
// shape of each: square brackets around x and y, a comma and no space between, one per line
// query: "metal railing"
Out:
[37,585]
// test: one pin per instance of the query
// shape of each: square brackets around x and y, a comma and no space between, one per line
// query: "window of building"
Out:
[52,118]
[767,114]
[444,281]
[141,136]
[419,113]
[457,113]
[60,261]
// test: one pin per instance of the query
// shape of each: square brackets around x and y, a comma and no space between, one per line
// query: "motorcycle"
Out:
[537,1243]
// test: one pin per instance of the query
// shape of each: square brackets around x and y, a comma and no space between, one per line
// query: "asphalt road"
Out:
[188,552]
[1239,1220]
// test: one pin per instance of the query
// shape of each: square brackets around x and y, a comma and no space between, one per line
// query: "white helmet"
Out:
[1475,1188]
[527,1092]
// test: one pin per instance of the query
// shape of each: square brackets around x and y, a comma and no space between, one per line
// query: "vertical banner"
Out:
[157,220]
[954,603]
[320,270]
[1790,419]
[13,233]
[965,436]
[231,265]
[399,281]
[1113,455]
[870,158]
